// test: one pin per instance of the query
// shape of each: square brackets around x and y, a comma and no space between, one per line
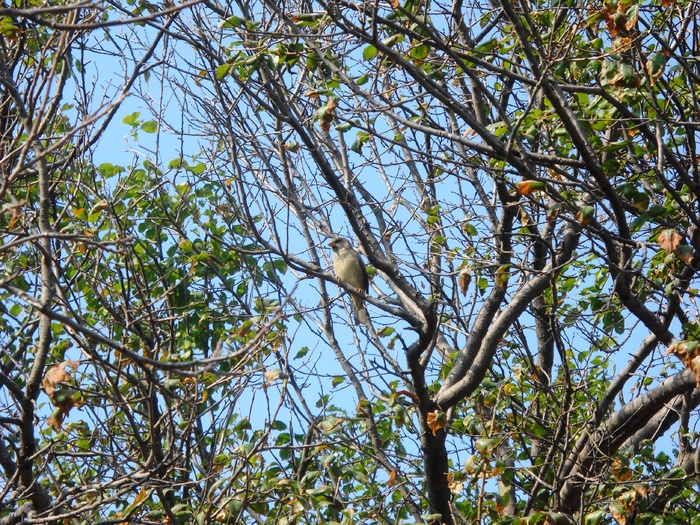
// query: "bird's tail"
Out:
[360,311]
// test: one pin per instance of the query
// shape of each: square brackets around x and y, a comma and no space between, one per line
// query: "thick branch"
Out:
[450,395]
[620,427]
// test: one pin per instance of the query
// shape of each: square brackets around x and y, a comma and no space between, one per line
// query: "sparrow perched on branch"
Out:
[350,269]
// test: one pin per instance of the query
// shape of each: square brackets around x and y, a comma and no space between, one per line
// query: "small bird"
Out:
[350,269]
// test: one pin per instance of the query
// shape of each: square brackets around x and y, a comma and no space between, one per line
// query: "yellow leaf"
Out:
[142,496]
[99,206]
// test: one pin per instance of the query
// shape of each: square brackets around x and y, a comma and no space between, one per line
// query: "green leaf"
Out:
[655,66]
[386,331]
[222,71]
[108,170]
[279,425]
[369,52]
[231,22]
[150,126]
[360,141]
[420,52]
[302,352]
[132,119]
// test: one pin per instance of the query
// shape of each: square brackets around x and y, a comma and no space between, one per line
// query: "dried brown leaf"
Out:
[436,421]
[55,421]
[669,240]
[58,374]
[465,278]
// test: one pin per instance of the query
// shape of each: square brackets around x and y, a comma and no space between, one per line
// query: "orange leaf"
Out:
[695,367]
[686,351]
[620,518]
[669,240]
[526,187]
[66,398]
[436,421]
[15,216]
[411,395]
[141,497]
[392,478]
[620,471]
[629,500]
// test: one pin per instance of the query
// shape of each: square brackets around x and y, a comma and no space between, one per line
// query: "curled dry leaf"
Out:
[413,397]
[327,113]
[436,421]
[455,486]
[273,375]
[695,367]
[465,278]
[686,351]
[58,374]
[689,353]
[55,420]
[669,240]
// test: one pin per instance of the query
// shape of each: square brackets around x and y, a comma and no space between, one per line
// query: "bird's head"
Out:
[339,243]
